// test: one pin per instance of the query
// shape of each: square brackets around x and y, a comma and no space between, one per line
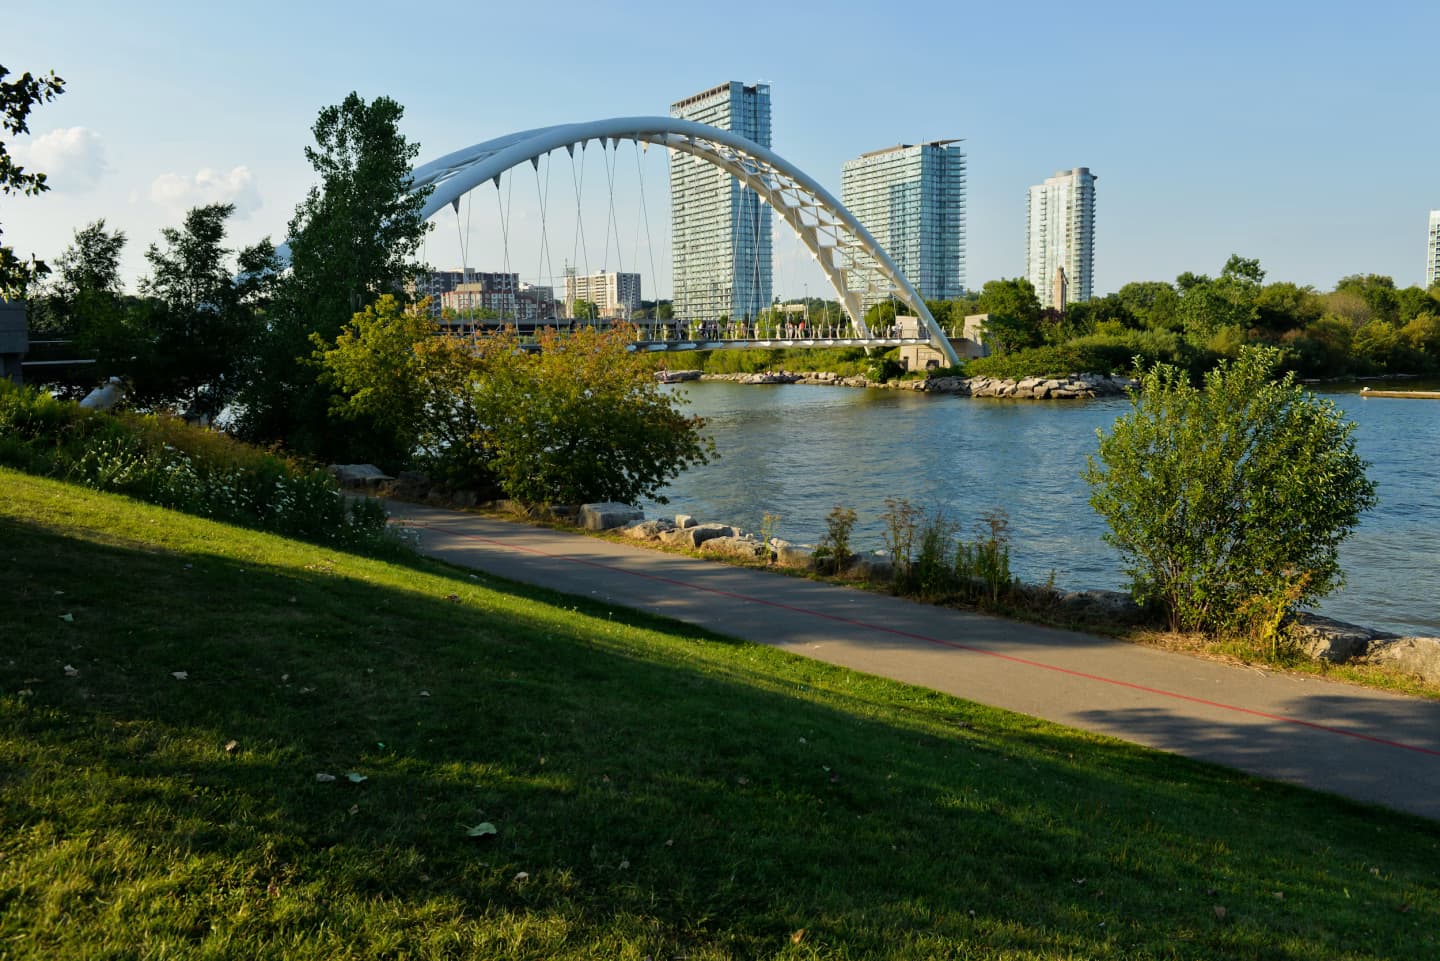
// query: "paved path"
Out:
[1353,741]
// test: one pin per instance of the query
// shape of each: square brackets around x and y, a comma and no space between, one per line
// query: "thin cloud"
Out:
[178,192]
[72,158]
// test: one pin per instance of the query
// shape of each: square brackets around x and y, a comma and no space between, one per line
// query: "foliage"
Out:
[166,462]
[1015,314]
[583,309]
[190,335]
[982,566]
[580,419]
[898,525]
[833,552]
[1222,496]
[17,98]
[352,240]
[932,573]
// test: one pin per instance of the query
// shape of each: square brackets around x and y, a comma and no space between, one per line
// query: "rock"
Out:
[793,555]
[1419,656]
[359,475]
[872,567]
[604,516]
[647,530]
[411,485]
[745,548]
[464,498]
[1102,605]
[565,511]
[700,533]
[1325,639]
[683,521]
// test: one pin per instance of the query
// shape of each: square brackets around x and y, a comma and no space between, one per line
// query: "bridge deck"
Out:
[771,343]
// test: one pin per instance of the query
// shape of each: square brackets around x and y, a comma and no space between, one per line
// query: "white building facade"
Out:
[615,295]
[1060,234]
[911,197]
[720,231]
[1432,252]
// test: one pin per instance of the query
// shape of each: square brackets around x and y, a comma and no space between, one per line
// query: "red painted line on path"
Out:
[939,642]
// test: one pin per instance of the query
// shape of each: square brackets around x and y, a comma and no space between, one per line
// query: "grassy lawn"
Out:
[655,791]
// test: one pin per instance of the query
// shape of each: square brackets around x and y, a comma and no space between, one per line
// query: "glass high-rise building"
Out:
[720,230]
[1432,252]
[1060,233]
[911,197]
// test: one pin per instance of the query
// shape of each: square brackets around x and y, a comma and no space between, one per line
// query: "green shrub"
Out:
[982,566]
[1229,503]
[832,554]
[164,461]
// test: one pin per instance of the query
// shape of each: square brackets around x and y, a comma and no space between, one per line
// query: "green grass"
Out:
[666,793]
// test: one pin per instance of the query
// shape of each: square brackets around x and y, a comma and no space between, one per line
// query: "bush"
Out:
[833,552]
[164,461]
[1229,503]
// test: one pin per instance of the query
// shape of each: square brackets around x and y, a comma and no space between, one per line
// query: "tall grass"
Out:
[164,461]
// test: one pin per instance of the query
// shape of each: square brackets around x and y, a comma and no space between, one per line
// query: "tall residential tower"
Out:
[1060,234]
[720,231]
[1432,252]
[911,197]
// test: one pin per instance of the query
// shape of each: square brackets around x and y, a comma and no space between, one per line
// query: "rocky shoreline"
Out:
[1319,638]
[1068,387]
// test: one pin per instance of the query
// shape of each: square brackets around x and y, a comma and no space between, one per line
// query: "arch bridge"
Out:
[841,245]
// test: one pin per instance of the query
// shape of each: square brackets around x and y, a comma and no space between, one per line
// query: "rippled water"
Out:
[797,451]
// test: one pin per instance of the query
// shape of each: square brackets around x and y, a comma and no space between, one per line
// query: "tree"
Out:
[1015,314]
[1229,503]
[353,239]
[581,419]
[388,367]
[188,336]
[584,310]
[1209,306]
[17,98]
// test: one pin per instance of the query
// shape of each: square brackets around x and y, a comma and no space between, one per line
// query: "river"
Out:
[797,451]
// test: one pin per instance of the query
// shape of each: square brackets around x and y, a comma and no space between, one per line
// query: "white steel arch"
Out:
[838,241]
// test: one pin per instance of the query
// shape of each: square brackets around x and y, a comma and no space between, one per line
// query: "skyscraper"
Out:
[911,197]
[1061,233]
[720,231]
[1432,251]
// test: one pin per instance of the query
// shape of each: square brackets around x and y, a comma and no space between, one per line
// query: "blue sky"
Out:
[1301,134]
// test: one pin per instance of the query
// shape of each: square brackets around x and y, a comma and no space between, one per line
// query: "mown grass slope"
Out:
[654,791]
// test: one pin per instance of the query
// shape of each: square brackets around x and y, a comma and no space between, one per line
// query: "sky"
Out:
[1301,134]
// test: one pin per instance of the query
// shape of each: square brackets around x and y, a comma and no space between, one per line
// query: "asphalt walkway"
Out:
[1356,742]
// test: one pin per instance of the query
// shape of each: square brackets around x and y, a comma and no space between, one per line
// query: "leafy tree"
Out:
[581,419]
[190,333]
[1208,306]
[91,262]
[1229,503]
[1015,314]
[1377,291]
[17,98]
[384,367]
[353,239]
[1285,306]
[583,309]
[81,301]
[1153,303]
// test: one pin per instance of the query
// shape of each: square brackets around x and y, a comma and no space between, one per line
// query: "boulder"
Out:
[359,475]
[1325,639]
[745,548]
[793,555]
[871,567]
[604,516]
[411,485]
[1419,656]
[700,533]
[1102,605]
[647,530]
[683,521]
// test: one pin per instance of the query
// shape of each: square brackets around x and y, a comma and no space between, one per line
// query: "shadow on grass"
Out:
[660,787]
